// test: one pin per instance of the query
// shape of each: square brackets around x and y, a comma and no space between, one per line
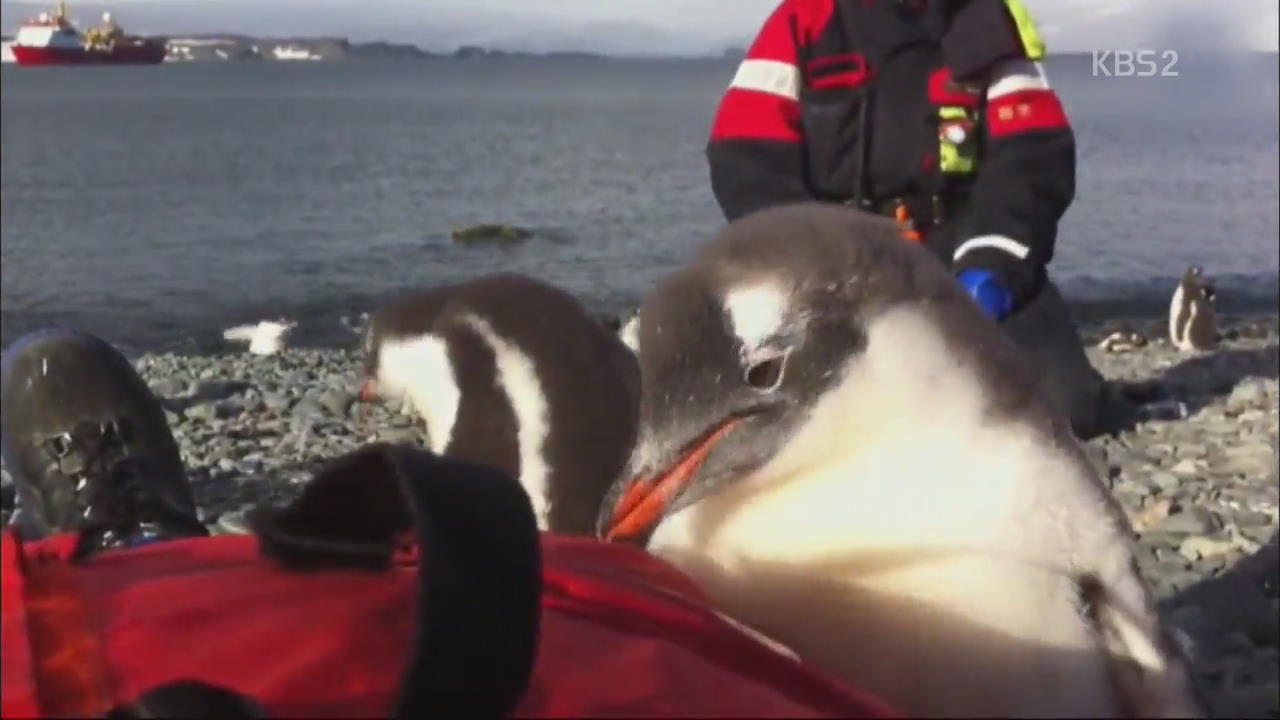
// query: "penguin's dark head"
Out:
[737,348]
[402,319]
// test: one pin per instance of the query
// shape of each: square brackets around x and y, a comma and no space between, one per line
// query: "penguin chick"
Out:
[512,372]
[852,459]
[1193,325]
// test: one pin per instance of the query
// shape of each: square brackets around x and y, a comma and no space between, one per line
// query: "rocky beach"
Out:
[1198,477]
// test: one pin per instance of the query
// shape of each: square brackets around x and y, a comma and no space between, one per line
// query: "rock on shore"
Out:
[1203,491]
[1199,480]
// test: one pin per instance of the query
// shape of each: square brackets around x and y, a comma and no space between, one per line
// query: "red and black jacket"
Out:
[823,76]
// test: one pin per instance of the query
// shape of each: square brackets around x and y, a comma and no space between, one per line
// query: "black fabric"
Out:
[1044,330]
[904,125]
[189,699]
[981,34]
[750,175]
[481,584]
[834,166]
[480,599]
[1024,186]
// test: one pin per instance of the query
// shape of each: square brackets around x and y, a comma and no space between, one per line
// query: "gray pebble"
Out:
[1252,518]
[1167,482]
[204,412]
[308,409]
[1259,533]
[1250,392]
[398,435]
[336,402]
[1196,547]
[1186,468]
[295,378]
[277,402]
[1130,494]
[1192,521]
[1191,451]
[1253,460]
[1170,566]
[168,387]
[342,382]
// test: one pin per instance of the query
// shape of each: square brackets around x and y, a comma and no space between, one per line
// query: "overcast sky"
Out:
[675,25]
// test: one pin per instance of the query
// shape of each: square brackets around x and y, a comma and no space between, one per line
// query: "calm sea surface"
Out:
[156,206]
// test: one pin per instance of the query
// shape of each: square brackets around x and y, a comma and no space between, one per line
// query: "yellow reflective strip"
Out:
[1031,40]
[954,158]
[950,160]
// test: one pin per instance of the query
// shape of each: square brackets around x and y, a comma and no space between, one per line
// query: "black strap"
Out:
[189,699]
[481,579]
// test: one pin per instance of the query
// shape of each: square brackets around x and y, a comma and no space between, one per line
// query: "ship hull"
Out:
[140,54]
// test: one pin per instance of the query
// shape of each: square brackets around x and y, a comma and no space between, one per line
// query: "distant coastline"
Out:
[216,47]
[245,48]
[212,47]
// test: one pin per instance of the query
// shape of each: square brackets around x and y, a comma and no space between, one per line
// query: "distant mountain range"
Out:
[670,27]
[434,27]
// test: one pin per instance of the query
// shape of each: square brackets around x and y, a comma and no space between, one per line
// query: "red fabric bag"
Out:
[319,615]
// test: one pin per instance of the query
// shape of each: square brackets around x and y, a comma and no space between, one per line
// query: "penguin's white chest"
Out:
[938,580]
[946,526]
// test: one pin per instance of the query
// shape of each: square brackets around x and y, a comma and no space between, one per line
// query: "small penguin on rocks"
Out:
[1123,340]
[1193,325]
[513,372]
[267,337]
[852,459]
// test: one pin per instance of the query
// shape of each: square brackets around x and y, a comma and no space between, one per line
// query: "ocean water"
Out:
[157,206]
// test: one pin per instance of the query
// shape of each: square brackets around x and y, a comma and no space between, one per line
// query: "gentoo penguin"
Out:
[852,459]
[1192,320]
[267,337]
[514,373]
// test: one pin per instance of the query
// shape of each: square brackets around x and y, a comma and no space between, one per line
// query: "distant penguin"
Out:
[849,457]
[1193,324]
[513,373]
[1123,340]
[267,337]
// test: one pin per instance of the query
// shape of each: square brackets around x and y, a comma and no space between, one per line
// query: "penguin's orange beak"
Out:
[643,503]
[368,390]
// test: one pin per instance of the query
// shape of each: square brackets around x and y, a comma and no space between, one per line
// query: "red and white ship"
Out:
[53,40]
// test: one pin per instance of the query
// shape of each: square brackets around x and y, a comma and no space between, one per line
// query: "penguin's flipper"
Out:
[1149,669]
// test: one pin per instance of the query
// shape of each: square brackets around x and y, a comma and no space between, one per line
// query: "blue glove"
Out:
[987,290]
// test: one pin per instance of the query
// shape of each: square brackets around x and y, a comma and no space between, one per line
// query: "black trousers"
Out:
[1044,330]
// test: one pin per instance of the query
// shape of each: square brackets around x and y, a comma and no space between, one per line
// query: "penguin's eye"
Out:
[766,374]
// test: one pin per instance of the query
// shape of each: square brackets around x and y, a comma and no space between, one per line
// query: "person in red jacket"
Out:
[937,113]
